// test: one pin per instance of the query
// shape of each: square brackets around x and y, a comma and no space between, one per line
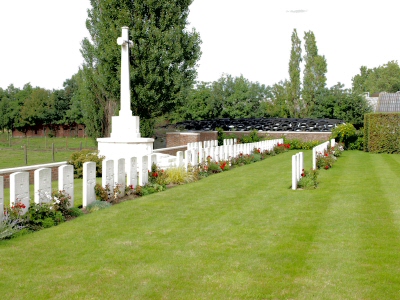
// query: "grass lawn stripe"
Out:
[355,237]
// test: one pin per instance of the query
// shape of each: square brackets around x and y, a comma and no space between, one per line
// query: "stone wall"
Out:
[31,169]
[171,150]
[54,130]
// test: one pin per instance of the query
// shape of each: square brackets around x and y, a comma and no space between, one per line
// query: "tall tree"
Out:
[314,79]
[163,58]
[294,84]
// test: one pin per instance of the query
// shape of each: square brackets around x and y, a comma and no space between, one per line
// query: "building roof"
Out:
[388,102]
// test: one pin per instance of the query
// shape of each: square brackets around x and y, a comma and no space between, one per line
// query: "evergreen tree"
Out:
[294,85]
[314,79]
[162,60]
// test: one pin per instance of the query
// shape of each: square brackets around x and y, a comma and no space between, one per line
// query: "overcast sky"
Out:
[40,40]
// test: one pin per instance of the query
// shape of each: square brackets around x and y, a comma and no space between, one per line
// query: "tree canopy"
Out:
[162,60]
[228,97]
[385,78]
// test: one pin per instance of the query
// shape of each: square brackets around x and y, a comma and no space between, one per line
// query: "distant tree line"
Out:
[31,106]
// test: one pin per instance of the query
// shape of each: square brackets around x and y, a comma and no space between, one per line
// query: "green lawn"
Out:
[242,234]
[39,150]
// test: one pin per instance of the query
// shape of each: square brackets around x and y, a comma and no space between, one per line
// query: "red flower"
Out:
[326,167]
[223,165]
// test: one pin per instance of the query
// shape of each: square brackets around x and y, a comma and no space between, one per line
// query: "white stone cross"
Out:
[125,44]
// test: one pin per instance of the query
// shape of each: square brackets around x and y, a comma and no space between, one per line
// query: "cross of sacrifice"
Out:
[125,44]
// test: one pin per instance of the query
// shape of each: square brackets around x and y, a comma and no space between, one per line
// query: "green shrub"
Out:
[345,133]
[251,138]
[308,180]
[42,215]
[358,144]
[149,188]
[48,222]
[213,167]
[79,158]
[102,193]
[296,144]
[178,175]
[157,175]
[61,202]
[382,132]
[221,136]
[75,212]
[97,205]
[10,226]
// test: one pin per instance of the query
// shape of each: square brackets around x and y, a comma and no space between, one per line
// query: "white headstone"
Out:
[152,160]
[294,172]
[1,197]
[201,155]
[179,159]
[144,170]
[221,153]
[206,153]
[42,183]
[194,157]
[333,143]
[89,182]
[119,176]
[66,181]
[301,167]
[107,176]
[132,172]
[19,189]
[188,158]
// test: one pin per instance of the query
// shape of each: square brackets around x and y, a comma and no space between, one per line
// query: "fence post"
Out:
[1,198]
[26,154]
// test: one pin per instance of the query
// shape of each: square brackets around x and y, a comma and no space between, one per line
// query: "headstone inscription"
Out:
[42,185]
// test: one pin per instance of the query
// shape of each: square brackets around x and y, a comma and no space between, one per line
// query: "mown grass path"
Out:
[242,234]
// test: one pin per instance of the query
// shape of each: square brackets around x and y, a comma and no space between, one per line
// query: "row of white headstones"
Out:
[298,161]
[117,172]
